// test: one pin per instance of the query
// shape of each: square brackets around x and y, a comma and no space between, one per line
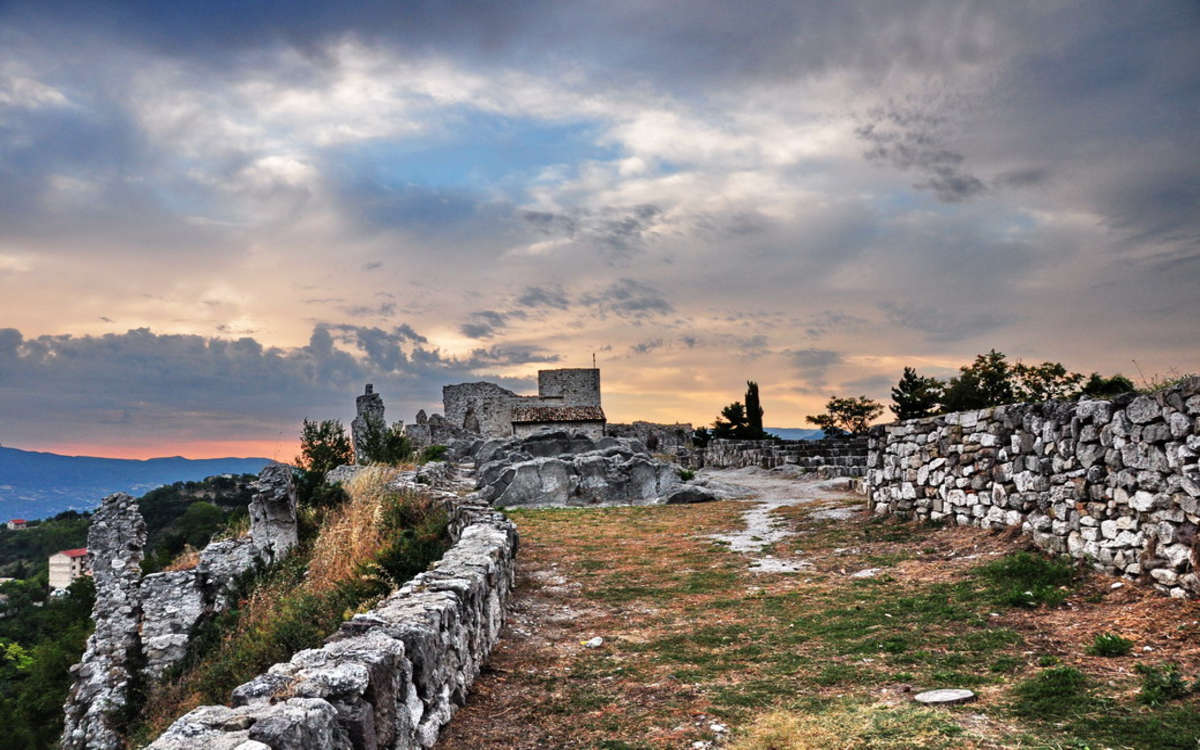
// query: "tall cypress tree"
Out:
[754,413]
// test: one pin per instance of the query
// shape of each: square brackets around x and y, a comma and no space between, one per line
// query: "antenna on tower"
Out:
[593,360]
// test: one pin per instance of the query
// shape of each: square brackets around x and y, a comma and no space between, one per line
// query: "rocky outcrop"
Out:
[116,539]
[1115,483]
[273,527]
[658,438]
[560,468]
[389,678]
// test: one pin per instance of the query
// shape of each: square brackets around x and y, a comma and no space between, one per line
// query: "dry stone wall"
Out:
[828,458]
[1115,483]
[389,678]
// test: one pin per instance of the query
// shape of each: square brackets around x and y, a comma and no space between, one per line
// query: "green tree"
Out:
[199,522]
[915,396]
[988,381]
[1045,381]
[1102,387]
[754,413]
[732,422]
[323,446]
[386,445]
[847,415]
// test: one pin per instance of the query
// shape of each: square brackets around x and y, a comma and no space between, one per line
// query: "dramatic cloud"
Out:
[813,364]
[818,192]
[629,299]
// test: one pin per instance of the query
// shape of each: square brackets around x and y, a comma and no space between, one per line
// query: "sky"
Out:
[217,219]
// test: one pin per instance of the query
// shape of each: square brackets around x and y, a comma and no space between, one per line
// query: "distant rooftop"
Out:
[78,552]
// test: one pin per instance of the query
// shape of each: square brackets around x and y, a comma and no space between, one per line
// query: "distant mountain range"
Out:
[795,433]
[38,485]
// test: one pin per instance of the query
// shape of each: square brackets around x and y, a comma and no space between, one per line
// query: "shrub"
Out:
[687,475]
[433,453]
[1025,579]
[1050,693]
[418,533]
[1161,684]
[1110,644]
[386,445]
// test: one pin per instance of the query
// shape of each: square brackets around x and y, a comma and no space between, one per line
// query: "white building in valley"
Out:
[67,565]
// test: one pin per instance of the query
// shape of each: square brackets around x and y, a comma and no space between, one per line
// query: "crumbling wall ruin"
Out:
[389,678]
[1115,483]
[101,681]
[143,624]
[368,417]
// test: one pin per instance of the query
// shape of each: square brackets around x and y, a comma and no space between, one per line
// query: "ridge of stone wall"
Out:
[1115,483]
[389,678]
[831,457]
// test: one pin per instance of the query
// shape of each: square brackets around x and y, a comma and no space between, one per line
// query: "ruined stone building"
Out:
[567,399]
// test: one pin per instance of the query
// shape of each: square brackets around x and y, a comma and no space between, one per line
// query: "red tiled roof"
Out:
[78,552]
[16,520]
[557,414]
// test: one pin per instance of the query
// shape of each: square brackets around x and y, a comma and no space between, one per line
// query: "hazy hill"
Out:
[38,485]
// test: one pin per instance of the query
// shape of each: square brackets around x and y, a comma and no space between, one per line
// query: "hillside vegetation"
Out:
[352,552]
[41,636]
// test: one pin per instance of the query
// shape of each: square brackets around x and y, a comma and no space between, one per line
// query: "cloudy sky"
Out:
[217,221]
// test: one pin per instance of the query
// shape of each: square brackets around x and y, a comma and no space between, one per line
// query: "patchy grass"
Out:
[692,636]
[1110,644]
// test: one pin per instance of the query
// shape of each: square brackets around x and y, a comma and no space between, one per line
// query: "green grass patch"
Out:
[1025,579]
[1054,692]
[1109,644]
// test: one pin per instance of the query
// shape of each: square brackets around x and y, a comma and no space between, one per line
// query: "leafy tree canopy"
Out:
[324,446]
[847,415]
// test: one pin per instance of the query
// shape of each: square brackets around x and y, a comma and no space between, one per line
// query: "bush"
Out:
[1050,693]
[433,453]
[418,532]
[1161,684]
[1025,579]
[687,475]
[1110,644]
[386,445]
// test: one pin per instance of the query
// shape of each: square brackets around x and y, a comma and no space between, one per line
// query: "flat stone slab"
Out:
[944,697]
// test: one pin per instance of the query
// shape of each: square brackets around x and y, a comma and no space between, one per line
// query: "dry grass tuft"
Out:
[850,726]
[188,559]
[352,533]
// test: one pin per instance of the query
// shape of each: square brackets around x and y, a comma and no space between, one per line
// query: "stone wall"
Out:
[482,408]
[831,457]
[101,681]
[1115,483]
[390,678]
[575,386]
[149,620]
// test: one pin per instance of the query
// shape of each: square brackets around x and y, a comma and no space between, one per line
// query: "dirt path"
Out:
[766,492]
[712,615]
